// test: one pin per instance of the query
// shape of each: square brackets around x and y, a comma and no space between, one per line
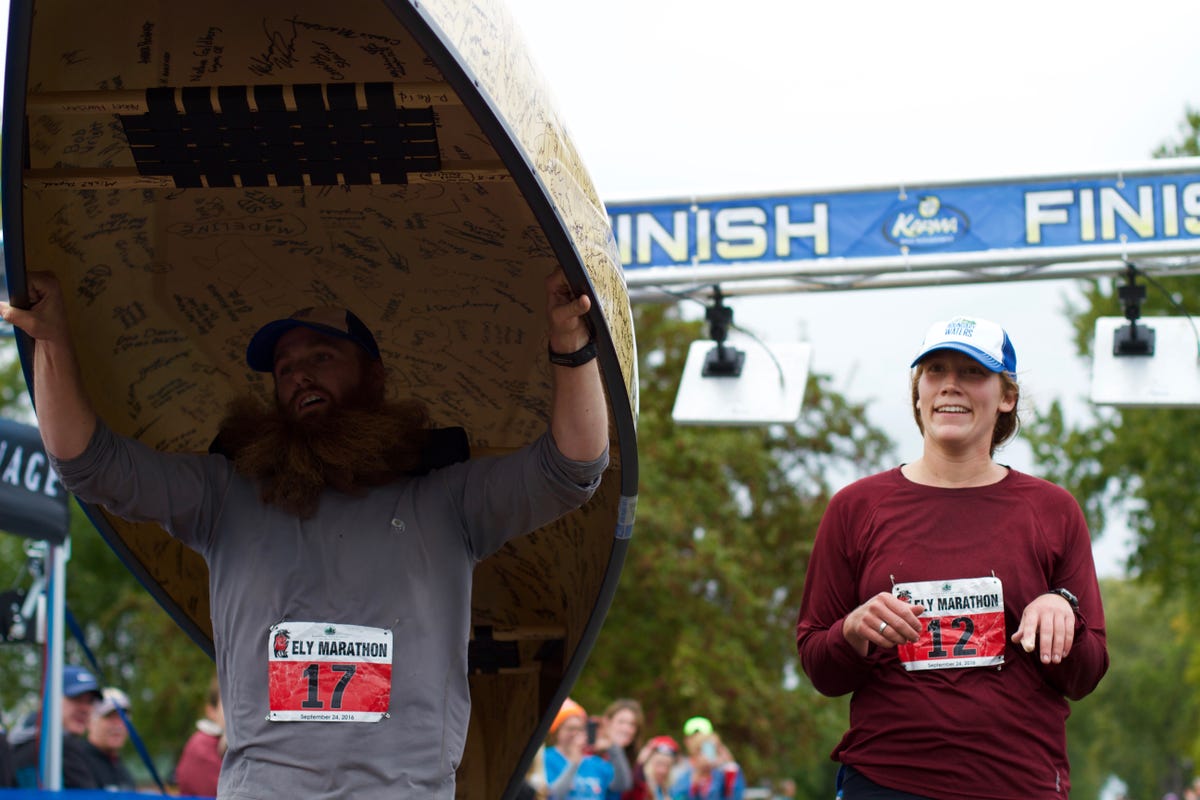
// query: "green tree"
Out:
[1140,720]
[704,619]
[1140,468]
[14,400]
[1189,141]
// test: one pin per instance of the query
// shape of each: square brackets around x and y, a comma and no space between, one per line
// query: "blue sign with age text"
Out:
[33,503]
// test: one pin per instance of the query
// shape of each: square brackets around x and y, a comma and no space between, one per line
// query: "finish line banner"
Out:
[1153,210]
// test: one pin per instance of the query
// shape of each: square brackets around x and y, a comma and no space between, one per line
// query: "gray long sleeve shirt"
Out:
[397,561]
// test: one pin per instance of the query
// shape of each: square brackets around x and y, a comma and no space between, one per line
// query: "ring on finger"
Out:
[882,625]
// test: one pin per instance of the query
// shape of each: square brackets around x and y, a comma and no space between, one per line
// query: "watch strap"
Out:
[577,359]
[1066,595]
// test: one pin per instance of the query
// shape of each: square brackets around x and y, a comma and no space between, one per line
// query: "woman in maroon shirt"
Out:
[955,598]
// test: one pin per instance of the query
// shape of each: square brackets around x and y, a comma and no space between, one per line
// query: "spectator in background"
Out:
[617,741]
[573,772]
[710,773]
[652,773]
[199,765]
[534,787]
[107,733]
[696,725]
[81,693]
[24,730]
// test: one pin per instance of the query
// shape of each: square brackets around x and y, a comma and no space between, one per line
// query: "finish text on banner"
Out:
[1152,211]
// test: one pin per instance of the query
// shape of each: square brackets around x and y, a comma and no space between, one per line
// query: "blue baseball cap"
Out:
[78,681]
[336,322]
[984,341]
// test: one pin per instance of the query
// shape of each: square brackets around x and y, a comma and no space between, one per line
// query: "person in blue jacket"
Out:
[573,772]
[709,773]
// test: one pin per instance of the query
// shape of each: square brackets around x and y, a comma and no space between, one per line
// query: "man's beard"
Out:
[349,449]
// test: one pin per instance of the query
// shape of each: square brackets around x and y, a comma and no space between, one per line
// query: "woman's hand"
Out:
[884,621]
[1049,624]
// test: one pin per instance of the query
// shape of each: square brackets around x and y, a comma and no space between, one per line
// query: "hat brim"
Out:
[260,353]
[974,352]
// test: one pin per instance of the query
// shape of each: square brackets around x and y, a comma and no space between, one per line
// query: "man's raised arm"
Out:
[66,418]
[579,412]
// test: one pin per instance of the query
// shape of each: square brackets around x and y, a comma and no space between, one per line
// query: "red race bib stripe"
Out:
[963,624]
[321,672]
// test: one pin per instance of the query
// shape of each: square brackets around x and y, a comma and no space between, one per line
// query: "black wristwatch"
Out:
[1066,595]
[577,359]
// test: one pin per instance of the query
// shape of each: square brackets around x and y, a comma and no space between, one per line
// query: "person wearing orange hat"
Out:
[568,709]
[573,772]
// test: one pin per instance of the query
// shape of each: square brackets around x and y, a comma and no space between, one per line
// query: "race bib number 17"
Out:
[963,623]
[324,672]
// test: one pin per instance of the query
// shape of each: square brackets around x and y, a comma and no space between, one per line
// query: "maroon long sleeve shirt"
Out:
[964,733]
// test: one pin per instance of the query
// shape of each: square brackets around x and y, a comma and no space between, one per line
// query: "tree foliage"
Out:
[1139,722]
[1140,468]
[14,400]
[704,620]
[1189,138]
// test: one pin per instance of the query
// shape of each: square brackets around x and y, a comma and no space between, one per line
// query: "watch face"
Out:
[1070,598]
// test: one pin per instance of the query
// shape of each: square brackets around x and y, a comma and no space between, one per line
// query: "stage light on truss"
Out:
[768,388]
[1153,363]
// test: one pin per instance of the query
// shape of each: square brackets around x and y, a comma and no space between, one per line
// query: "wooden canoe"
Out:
[192,170]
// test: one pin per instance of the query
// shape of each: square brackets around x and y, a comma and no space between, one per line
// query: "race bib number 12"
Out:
[324,672]
[963,623]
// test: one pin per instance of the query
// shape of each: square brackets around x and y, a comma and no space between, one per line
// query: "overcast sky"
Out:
[669,98]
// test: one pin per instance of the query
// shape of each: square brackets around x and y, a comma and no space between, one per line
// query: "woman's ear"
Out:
[1008,399]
